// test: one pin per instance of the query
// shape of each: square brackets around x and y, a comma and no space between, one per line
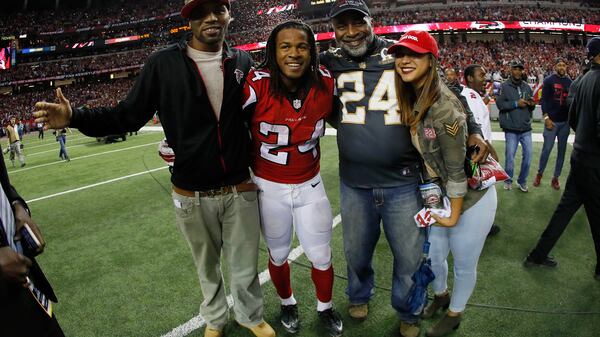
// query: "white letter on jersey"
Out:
[325,72]
[258,75]
[384,98]
[355,77]
[269,151]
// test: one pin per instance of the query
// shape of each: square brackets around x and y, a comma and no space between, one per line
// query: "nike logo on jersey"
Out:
[315,184]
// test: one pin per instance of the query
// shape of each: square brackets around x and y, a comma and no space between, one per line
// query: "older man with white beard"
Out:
[379,167]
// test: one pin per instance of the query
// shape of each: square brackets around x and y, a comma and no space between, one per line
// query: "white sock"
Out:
[288,301]
[324,306]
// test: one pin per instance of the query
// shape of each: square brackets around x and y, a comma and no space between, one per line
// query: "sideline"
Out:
[536,137]
[11,172]
[95,185]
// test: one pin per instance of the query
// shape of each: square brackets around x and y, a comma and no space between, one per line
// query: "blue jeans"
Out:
[561,131]
[62,140]
[363,210]
[512,143]
[465,241]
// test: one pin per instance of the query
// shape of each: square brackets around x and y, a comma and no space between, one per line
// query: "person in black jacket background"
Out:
[196,88]
[20,313]
[583,183]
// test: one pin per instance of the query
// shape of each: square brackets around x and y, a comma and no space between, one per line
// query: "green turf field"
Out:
[120,267]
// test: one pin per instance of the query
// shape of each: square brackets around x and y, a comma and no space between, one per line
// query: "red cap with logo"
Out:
[190,5]
[419,41]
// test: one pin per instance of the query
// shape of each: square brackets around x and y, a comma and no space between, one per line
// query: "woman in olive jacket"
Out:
[437,121]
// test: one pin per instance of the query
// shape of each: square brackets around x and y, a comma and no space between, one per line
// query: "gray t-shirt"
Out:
[210,67]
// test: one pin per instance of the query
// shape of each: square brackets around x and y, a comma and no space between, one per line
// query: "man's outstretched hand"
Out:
[54,115]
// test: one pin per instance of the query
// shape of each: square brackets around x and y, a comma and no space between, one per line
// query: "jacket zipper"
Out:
[219,122]
[221,147]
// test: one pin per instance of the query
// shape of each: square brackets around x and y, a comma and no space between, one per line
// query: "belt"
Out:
[243,187]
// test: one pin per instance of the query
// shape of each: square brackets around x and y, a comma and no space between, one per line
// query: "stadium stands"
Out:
[82,52]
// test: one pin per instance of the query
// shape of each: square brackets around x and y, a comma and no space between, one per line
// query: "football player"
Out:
[288,98]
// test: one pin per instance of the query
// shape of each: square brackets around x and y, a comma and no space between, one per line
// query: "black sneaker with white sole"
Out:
[332,322]
[289,318]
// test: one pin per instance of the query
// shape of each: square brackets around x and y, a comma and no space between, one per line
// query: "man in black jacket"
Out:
[583,183]
[196,88]
[20,312]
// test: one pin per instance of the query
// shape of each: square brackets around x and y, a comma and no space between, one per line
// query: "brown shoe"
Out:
[358,311]
[537,180]
[210,332]
[261,330]
[444,326]
[409,329]
[555,183]
[441,301]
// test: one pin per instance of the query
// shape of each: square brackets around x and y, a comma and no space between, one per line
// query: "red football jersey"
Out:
[285,141]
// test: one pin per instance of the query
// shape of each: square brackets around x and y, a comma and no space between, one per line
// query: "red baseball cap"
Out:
[190,5]
[418,41]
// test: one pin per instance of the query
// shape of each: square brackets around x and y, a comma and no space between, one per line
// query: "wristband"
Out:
[546,117]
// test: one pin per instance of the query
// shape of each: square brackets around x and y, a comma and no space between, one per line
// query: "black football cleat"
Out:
[289,318]
[332,322]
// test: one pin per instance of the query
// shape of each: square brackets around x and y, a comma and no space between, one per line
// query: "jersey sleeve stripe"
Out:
[251,99]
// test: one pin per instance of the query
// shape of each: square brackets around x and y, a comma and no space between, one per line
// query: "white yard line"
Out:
[264,277]
[74,139]
[53,150]
[71,143]
[78,158]
[96,184]
[536,137]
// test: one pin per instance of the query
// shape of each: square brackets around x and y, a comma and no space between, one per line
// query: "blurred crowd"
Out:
[246,31]
[538,58]
[93,94]
[65,20]
[248,25]
[480,13]
[77,65]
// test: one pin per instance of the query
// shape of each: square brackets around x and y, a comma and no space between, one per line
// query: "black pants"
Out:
[582,188]
[22,316]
